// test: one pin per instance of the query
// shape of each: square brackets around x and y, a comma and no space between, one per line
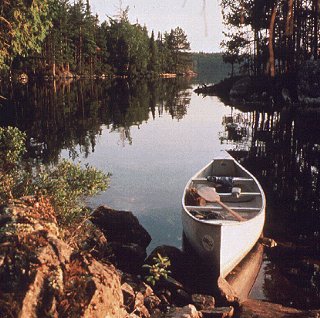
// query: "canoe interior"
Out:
[248,204]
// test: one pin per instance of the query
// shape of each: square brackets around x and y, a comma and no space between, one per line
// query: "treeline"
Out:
[71,117]
[210,67]
[271,36]
[60,38]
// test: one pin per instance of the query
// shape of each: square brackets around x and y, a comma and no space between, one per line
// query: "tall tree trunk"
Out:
[289,56]
[53,68]
[271,36]
[298,28]
[289,20]
[258,52]
[315,29]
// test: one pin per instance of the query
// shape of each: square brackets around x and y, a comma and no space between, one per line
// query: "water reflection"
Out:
[67,115]
[281,148]
[284,154]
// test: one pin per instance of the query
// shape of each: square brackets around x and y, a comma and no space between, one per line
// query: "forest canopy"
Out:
[54,37]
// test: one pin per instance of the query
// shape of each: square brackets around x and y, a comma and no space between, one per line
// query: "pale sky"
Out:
[200,19]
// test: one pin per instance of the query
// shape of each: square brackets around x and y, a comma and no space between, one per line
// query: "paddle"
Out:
[210,195]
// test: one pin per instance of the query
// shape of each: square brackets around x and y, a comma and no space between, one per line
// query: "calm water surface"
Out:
[152,136]
[151,163]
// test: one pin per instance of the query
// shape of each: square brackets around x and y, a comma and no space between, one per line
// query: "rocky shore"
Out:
[97,271]
[299,90]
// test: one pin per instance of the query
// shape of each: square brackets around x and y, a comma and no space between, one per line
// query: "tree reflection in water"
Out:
[69,115]
[282,148]
[284,154]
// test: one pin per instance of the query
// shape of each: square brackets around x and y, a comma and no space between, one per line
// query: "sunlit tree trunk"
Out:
[289,20]
[271,37]
[298,28]
[289,32]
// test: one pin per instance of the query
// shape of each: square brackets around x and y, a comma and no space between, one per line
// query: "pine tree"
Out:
[23,27]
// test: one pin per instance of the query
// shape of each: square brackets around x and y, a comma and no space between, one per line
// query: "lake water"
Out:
[152,136]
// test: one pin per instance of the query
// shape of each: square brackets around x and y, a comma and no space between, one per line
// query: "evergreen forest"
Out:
[64,38]
[270,36]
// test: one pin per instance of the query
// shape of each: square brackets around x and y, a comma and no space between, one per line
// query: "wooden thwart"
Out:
[211,207]
[210,195]
[234,179]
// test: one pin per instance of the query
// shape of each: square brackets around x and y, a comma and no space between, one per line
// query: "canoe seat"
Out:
[212,207]
[226,194]
[206,214]
[233,178]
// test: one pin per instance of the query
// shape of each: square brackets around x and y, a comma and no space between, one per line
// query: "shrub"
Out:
[67,184]
[12,148]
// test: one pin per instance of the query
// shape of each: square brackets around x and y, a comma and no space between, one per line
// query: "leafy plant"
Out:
[158,269]
[12,147]
[67,184]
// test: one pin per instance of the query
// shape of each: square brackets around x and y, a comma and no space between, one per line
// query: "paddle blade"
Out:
[209,194]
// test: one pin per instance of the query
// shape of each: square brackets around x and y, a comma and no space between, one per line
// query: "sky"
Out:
[200,19]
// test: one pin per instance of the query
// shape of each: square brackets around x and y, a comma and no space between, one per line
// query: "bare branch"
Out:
[6,22]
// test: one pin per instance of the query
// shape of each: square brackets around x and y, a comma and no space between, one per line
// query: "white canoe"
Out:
[216,235]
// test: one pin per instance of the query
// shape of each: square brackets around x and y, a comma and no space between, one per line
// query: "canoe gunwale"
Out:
[224,222]
[211,238]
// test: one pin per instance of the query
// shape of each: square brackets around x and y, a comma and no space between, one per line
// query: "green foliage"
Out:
[176,47]
[128,46]
[67,184]
[63,36]
[158,270]
[24,26]
[12,147]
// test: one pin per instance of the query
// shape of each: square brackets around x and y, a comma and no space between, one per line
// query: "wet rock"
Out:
[128,257]
[128,297]
[139,297]
[152,303]
[220,312]
[139,308]
[263,309]
[156,313]
[165,300]
[120,226]
[309,83]
[268,242]
[174,291]
[181,298]
[202,302]
[177,259]
[188,311]
[227,293]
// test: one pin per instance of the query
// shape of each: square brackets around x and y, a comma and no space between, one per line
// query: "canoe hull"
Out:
[222,245]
